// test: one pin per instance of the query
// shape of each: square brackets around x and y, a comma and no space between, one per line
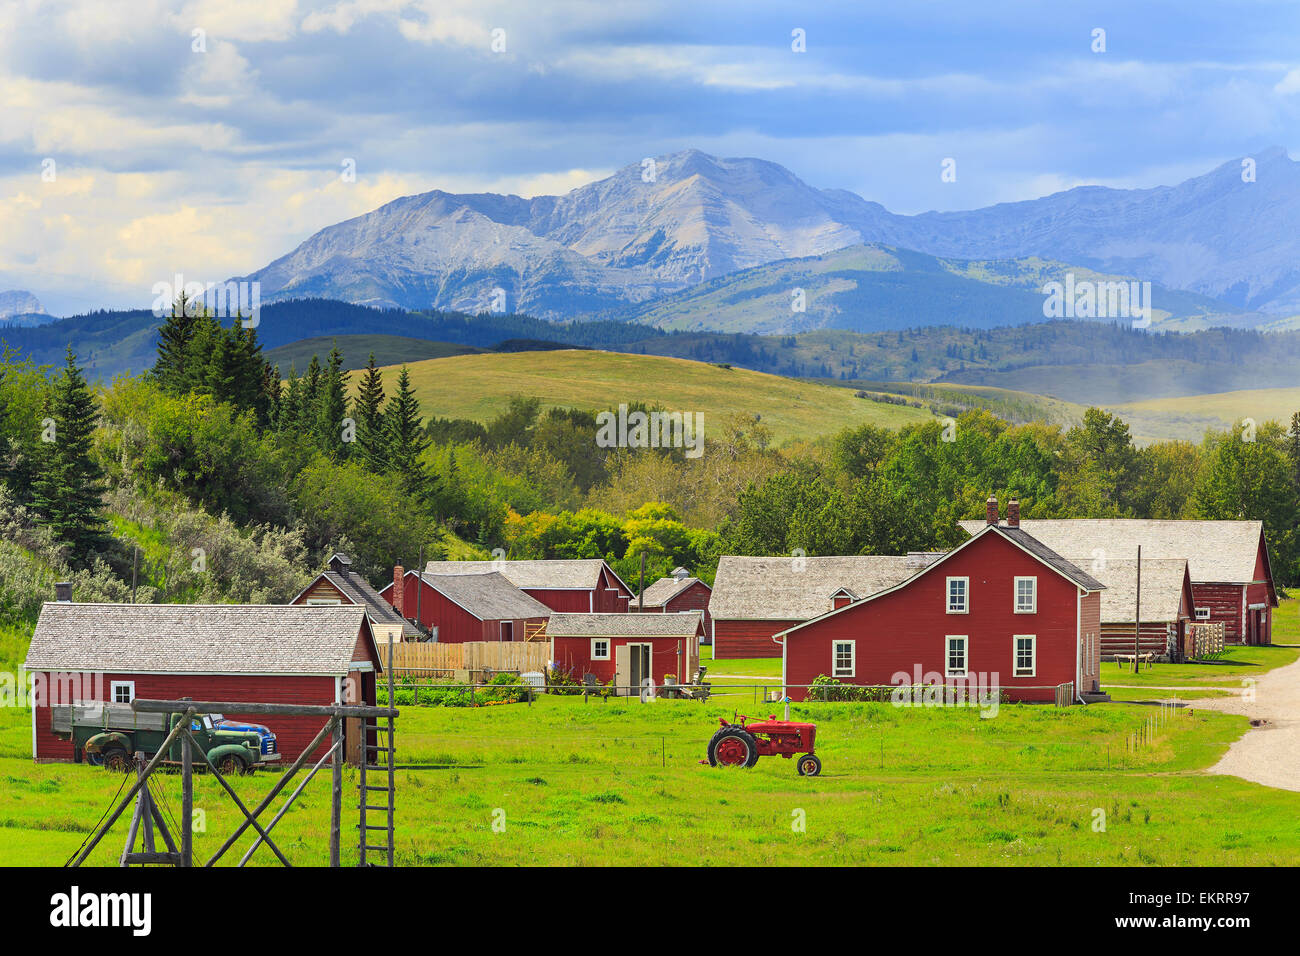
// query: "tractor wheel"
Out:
[733,746]
[809,765]
[231,766]
[116,760]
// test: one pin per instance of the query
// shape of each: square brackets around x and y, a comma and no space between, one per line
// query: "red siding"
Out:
[747,638]
[694,598]
[907,628]
[1226,603]
[293,733]
[667,656]
[455,624]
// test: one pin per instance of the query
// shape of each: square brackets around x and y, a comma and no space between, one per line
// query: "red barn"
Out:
[580,584]
[628,646]
[1001,610]
[681,592]
[1232,580]
[1167,605]
[279,654]
[339,584]
[754,598]
[455,608]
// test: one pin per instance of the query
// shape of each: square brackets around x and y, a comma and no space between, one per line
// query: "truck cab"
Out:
[109,735]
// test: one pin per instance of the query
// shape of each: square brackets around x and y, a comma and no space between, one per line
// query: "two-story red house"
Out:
[1002,609]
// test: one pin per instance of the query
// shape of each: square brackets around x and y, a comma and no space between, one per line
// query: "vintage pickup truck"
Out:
[109,735]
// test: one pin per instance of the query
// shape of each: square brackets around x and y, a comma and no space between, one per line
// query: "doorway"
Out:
[632,666]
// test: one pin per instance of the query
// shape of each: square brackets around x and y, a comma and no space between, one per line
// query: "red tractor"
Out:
[740,744]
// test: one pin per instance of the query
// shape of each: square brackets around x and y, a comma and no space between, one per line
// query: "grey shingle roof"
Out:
[196,638]
[489,597]
[664,590]
[1162,588]
[360,592]
[554,573]
[796,589]
[685,625]
[1216,551]
[1049,557]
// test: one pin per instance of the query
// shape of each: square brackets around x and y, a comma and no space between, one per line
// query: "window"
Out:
[844,658]
[955,661]
[600,649]
[122,691]
[1202,613]
[1026,595]
[321,601]
[1026,654]
[958,595]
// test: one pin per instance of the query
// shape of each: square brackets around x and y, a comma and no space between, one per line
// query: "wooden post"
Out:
[1137,616]
[135,565]
[640,598]
[336,791]
[187,794]
[419,594]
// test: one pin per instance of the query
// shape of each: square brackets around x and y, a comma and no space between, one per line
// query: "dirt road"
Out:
[1268,754]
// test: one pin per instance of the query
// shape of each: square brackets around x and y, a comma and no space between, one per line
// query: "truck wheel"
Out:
[809,765]
[230,766]
[733,746]
[116,760]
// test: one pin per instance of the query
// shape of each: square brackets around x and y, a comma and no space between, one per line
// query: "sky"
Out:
[141,138]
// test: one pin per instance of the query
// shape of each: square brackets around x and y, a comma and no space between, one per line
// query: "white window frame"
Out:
[600,640]
[965,655]
[112,691]
[1015,594]
[1202,614]
[323,602]
[853,659]
[947,595]
[1033,654]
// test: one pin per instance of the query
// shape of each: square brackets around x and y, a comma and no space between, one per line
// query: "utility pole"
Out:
[135,566]
[419,589]
[1137,615]
[640,597]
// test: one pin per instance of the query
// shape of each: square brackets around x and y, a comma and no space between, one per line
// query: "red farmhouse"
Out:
[1232,580]
[581,584]
[279,654]
[1001,609]
[630,646]
[681,592]
[455,608]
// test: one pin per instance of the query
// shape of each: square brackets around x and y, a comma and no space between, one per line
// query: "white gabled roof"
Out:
[795,589]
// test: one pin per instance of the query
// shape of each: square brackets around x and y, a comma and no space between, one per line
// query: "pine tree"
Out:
[332,407]
[372,439]
[1293,449]
[407,440]
[174,340]
[68,491]
[290,405]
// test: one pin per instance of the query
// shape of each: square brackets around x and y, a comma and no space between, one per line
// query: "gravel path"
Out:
[1270,753]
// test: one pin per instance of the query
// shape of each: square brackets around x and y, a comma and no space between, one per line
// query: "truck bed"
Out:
[104,715]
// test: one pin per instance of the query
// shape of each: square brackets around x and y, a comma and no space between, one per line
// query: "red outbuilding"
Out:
[1000,611]
[339,584]
[580,584]
[455,608]
[681,592]
[1232,579]
[278,654]
[628,646]
[755,597]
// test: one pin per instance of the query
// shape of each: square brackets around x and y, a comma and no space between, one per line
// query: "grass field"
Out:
[356,349]
[479,387]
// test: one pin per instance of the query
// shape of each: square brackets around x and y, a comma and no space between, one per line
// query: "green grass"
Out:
[619,783]
[1148,695]
[1238,663]
[356,349]
[479,387]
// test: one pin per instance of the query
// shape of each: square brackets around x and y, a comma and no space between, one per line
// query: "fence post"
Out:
[187,795]
[336,795]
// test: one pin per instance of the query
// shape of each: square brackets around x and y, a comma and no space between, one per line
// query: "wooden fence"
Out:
[472,656]
[1204,640]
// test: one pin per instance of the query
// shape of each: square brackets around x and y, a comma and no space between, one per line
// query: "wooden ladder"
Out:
[386,746]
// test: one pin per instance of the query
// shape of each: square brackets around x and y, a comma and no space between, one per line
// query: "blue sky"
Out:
[213,163]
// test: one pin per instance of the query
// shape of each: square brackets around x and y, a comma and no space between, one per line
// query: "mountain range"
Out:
[18,307]
[627,243]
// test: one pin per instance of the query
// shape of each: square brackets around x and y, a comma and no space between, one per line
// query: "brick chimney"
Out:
[63,592]
[1013,513]
[399,589]
[991,510]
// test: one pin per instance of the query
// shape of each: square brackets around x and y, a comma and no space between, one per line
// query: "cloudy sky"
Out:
[132,147]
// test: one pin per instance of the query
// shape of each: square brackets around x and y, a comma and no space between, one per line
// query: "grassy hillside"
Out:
[1188,416]
[479,387]
[356,349]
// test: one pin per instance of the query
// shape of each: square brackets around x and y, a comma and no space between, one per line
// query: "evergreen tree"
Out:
[1293,449]
[372,440]
[174,340]
[407,440]
[332,407]
[68,490]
